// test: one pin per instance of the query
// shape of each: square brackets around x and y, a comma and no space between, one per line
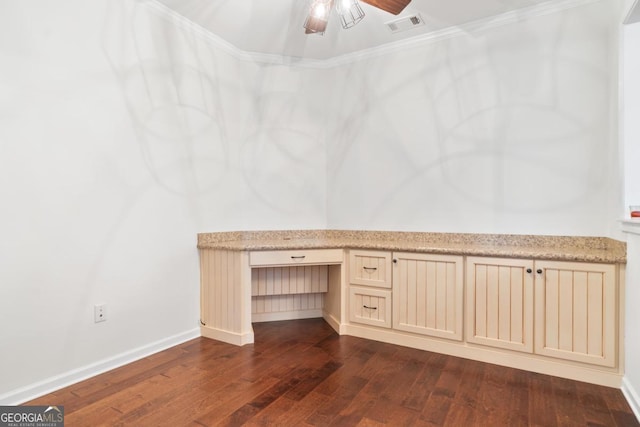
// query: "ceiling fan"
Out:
[349,11]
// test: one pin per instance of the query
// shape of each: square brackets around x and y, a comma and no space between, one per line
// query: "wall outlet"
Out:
[99,313]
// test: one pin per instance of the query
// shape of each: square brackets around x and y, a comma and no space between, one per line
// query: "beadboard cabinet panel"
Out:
[225,306]
[500,303]
[576,311]
[428,294]
[289,280]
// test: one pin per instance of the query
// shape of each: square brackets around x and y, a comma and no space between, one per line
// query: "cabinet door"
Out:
[500,303]
[576,311]
[427,294]
[370,268]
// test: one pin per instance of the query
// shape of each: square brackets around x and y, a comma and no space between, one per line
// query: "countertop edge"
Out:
[614,252]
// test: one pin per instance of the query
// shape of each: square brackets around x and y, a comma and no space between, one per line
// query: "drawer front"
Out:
[370,306]
[370,268]
[296,257]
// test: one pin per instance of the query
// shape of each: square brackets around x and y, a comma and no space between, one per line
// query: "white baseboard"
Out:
[632,396]
[49,385]
[234,338]
[334,323]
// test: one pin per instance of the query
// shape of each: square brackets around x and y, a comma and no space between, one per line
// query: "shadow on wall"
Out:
[509,122]
[172,97]
[206,120]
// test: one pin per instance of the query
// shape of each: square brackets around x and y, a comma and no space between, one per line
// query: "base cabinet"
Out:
[554,317]
[575,318]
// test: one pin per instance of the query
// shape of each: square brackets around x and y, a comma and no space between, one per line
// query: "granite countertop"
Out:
[562,248]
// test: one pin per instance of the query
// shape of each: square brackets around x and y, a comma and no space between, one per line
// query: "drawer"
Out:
[370,306]
[370,268]
[296,257]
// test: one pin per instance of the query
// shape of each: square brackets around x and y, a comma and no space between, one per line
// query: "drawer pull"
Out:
[298,257]
[370,269]
[370,308]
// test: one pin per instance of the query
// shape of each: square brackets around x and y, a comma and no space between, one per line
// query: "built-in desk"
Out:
[547,304]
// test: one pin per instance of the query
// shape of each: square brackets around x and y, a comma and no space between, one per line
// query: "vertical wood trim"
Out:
[411,292]
[565,304]
[516,303]
[595,322]
[493,280]
[504,303]
[552,313]
[480,301]
[441,296]
[421,294]
[580,315]
[431,295]
[289,280]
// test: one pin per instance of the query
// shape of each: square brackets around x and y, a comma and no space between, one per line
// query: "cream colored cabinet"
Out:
[370,288]
[428,294]
[576,311]
[575,304]
[500,303]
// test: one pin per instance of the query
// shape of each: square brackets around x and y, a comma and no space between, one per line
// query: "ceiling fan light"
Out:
[318,17]
[350,12]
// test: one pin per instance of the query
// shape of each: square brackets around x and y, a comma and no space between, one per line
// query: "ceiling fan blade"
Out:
[391,6]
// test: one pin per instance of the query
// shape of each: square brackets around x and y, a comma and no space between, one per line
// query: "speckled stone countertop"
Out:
[564,248]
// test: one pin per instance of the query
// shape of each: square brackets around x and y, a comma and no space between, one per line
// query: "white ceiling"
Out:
[275,26]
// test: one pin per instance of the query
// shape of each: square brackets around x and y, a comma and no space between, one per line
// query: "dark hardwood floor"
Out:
[302,373]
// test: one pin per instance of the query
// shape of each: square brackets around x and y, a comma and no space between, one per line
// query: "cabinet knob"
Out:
[539,271]
[395,261]
[529,270]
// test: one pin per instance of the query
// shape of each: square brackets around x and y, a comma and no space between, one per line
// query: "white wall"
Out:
[503,130]
[631,142]
[631,129]
[121,137]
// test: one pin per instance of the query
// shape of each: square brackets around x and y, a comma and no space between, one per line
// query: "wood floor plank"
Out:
[300,373]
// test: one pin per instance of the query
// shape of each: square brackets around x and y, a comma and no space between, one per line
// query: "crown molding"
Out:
[174,17]
[546,8]
[634,13]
